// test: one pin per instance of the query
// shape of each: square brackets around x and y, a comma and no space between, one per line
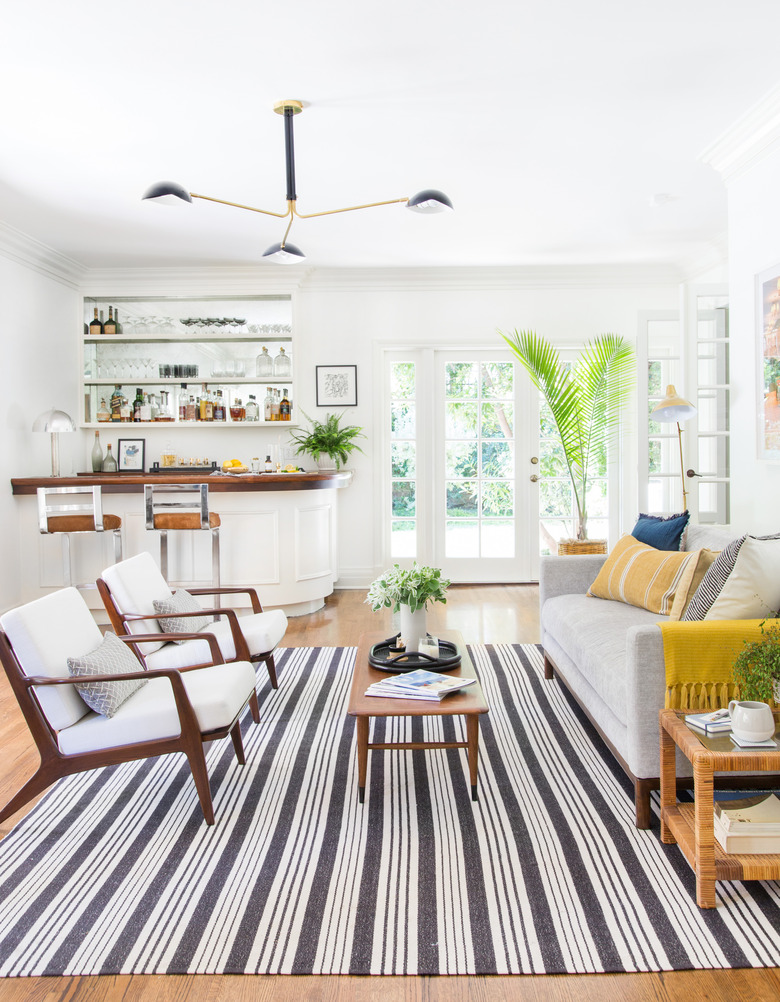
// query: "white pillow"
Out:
[180,601]
[752,589]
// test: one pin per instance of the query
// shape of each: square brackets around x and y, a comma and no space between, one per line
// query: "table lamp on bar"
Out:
[674,409]
[54,422]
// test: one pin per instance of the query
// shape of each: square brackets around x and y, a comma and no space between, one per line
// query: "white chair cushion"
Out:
[44,634]
[262,630]
[217,694]
[135,584]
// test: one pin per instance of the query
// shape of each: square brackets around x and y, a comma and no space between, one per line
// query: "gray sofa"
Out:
[610,657]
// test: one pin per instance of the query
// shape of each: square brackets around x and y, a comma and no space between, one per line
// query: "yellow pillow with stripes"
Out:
[640,575]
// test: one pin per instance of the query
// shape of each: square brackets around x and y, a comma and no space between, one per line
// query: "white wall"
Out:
[754,245]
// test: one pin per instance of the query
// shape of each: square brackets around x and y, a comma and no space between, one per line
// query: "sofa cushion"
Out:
[181,601]
[592,632]
[640,575]
[664,532]
[110,657]
[692,577]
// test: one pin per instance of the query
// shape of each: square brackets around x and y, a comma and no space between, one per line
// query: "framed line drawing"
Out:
[336,385]
[131,452]
[768,336]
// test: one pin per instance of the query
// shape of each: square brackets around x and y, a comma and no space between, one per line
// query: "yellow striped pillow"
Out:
[640,575]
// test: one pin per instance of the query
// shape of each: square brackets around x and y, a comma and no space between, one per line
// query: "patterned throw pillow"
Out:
[640,575]
[180,601]
[692,577]
[714,580]
[112,657]
[663,532]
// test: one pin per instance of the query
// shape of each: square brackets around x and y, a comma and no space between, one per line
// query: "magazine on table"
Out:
[418,684]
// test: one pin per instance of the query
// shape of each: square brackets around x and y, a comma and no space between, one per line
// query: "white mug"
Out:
[751,721]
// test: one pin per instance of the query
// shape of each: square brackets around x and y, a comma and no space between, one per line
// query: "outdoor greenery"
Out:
[414,587]
[585,401]
[328,439]
[757,666]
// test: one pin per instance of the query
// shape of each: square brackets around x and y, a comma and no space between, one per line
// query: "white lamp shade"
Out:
[53,420]
[672,407]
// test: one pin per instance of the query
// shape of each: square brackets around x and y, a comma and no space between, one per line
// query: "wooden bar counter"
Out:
[278,534]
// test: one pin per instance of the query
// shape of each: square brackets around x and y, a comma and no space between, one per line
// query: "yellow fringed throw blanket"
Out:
[699,657]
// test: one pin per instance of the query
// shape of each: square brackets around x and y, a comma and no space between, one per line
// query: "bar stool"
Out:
[57,513]
[189,511]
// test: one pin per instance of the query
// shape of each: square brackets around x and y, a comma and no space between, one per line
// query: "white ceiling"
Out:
[549,123]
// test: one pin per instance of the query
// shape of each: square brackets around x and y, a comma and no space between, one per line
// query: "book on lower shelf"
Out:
[751,824]
[418,684]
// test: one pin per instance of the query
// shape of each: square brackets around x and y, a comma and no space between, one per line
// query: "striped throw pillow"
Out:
[713,581]
[741,584]
[640,575]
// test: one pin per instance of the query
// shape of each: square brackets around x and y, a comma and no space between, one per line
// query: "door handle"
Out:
[534,477]
[534,459]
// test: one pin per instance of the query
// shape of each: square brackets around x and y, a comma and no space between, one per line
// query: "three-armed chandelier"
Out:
[168,192]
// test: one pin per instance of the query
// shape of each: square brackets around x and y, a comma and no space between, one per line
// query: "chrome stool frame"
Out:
[59,513]
[190,511]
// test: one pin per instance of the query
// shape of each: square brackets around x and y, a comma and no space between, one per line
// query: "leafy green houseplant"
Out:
[585,399]
[328,438]
[757,667]
[414,587]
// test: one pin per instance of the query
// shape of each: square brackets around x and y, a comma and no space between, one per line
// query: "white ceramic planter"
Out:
[413,627]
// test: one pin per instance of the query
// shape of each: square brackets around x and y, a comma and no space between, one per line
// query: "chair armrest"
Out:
[139,638]
[571,575]
[251,592]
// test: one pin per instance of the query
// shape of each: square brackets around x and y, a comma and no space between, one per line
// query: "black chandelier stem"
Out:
[289,153]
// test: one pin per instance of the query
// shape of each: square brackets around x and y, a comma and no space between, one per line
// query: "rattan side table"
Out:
[690,825]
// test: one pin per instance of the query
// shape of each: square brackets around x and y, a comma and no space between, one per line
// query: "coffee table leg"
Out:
[704,851]
[362,753]
[472,737]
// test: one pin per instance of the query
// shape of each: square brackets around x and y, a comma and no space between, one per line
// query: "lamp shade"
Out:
[286,253]
[672,407]
[53,420]
[429,201]
[166,193]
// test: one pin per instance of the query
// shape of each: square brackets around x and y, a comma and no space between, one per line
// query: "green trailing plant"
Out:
[328,438]
[757,666]
[414,587]
[586,400]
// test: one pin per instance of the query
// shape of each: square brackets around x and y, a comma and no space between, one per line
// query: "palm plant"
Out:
[585,399]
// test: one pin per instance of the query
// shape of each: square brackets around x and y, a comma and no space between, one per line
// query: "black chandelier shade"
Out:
[428,201]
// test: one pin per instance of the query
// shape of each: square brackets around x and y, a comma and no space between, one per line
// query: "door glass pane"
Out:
[498,459]
[498,536]
[462,498]
[498,498]
[403,420]
[403,538]
[404,498]
[402,381]
[497,380]
[461,539]
[460,420]
[460,459]
[461,379]
[497,421]
[403,459]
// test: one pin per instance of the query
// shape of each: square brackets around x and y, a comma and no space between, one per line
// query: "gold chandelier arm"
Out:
[350,208]
[289,225]
[250,208]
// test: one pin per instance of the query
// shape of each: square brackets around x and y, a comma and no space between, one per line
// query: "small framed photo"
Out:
[131,454]
[336,385]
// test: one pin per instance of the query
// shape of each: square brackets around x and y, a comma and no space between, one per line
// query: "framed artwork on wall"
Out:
[131,453]
[768,334]
[336,385]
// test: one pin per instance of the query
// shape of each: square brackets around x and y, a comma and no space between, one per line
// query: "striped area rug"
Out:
[115,871]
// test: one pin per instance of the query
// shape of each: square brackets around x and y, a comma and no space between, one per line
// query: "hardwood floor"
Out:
[483,614]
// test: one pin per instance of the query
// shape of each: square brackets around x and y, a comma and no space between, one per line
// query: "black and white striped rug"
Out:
[115,871]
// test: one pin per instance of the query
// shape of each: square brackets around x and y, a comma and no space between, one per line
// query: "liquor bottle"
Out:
[97,455]
[116,404]
[282,365]
[284,408]
[267,404]
[236,410]
[138,404]
[182,408]
[219,407]
[264,366]
[110,325]
[126,411]
[116,322]
[191,409]
[275,406]
[109,463]
[95,326]
[269,466]
[252,410]
[103,414]
[146,408]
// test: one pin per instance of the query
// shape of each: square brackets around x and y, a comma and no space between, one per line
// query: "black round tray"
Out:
[380,656]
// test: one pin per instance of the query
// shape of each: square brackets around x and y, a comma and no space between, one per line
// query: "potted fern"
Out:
[757,667]
[328,439]
[585,399]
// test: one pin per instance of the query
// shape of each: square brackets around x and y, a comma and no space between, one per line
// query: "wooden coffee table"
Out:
[469,702]
[691,825]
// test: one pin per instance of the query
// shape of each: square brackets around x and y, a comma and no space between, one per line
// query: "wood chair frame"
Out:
[55,764]
[119,621]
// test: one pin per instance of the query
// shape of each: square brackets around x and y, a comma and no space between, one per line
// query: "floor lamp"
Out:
[674,409]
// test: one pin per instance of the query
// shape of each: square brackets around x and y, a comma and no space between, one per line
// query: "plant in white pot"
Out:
[408,592]
[330,439]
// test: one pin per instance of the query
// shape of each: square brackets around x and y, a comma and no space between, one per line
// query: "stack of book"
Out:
[714,722]
[750,825]
[418,684]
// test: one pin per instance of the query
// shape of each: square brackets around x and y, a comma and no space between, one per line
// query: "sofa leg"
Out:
[642,788]
[549,668]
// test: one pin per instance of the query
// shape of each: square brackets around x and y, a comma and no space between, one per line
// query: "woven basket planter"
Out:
[575,547]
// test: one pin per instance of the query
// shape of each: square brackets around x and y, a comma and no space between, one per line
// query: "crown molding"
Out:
[752,137]
[248,280]
[26,250]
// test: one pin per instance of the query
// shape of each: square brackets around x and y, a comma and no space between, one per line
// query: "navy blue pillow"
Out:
[662,533]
